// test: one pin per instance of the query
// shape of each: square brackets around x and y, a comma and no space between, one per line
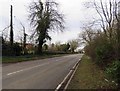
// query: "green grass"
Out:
[90,76]
[14,59]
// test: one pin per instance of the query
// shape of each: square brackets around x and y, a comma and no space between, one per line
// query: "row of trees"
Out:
[69,47]
[103,44]
[19,49]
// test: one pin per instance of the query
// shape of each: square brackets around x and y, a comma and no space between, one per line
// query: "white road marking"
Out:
[26,69]
[56,60]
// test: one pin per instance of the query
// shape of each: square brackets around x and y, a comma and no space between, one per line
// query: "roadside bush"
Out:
[101,50]
[17,49]
[104,53]
[113,71]
[90,51]
[7,50]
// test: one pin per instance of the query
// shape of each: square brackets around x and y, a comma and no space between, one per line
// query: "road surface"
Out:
[39,74]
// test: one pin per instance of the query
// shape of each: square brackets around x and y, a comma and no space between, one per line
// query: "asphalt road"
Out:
[39,74]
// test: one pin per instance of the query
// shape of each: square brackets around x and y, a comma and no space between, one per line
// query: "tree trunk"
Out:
[39,51]
[41,41]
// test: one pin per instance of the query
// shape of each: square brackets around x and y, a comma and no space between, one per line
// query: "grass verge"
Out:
[90,76]
[14,59]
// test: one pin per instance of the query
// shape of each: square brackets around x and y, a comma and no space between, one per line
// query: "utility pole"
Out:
[11,26]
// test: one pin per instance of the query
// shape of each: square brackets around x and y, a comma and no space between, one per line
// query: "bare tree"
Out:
[108,14]
[88,34]
[110,21]
[24,38]
[24,35]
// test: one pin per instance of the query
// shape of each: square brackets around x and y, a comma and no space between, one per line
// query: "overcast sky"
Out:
[75,16]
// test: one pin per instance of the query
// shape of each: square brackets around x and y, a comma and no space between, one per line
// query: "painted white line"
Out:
[56,60]
[71,78]
[70,72]
[58,87]
[26,69]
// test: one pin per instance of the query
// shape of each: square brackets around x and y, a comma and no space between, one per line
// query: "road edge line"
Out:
[69,76]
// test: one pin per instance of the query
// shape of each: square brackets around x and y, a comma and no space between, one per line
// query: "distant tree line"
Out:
[19,49]
[69,47]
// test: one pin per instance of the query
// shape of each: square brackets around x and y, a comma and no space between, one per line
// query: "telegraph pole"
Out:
[11,25]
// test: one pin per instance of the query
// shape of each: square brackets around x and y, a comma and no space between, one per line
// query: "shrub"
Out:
[17,49]
[7,50]
[113,71]
[104,53]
